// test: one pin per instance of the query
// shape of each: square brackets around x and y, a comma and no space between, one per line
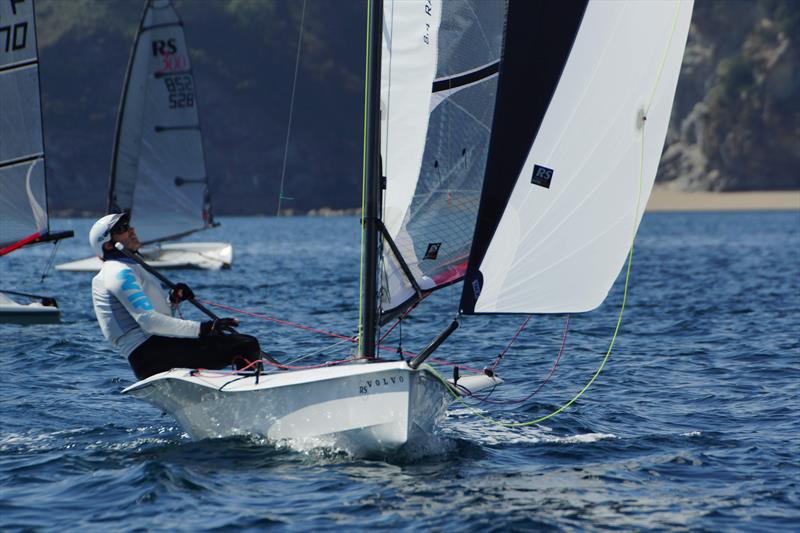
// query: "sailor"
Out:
[135,312]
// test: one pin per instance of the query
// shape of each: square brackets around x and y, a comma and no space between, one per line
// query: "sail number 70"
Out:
[15,37]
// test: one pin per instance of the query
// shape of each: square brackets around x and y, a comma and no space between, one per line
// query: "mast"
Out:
[112,206]
[369,312]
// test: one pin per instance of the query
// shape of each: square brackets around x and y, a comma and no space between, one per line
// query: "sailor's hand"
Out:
[179,293]
[216,327]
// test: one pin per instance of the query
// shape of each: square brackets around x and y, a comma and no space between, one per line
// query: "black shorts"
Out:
[158,354]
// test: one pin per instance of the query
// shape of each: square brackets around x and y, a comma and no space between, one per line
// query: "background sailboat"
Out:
[543,108]
[24,217]
[158,171]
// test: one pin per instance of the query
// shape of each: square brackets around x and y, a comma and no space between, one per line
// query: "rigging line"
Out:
[318,351]
[514,338]
[663,61]
[405,314]
[330,334]
[291,109]
[277,320]
[322,365]
[400,340]
[486,399]
[50,261]
[456,365]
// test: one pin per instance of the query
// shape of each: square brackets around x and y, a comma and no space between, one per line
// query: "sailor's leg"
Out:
[238,349]
[158,354]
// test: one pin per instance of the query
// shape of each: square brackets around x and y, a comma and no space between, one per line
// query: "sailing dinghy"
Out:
[158,170]
[512,141]
[24,216]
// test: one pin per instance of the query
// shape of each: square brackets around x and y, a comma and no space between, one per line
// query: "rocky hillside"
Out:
[736,121]
[736,124]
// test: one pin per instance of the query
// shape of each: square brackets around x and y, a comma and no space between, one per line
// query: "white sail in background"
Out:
[569,221]
[158,170]
[23,196]
[438,83]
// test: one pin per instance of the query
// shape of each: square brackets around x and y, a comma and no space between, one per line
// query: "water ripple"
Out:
[691,425]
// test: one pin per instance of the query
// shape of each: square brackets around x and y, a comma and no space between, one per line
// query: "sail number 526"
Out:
[181,91]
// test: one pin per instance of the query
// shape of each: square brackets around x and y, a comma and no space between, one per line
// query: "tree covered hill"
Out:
[243,54]
[736,123]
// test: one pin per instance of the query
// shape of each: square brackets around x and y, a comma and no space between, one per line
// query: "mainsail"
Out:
[158,171]
[438,83]
[23,195]
[583,104]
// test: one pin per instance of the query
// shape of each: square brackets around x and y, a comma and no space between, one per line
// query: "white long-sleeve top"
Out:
[131,306]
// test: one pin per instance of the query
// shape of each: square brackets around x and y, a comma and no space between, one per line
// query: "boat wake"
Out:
[326,448]
[462,424]
[99,438]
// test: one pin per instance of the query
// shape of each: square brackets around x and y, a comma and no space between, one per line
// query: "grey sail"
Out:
[158,169]
[437,97]
[23,198]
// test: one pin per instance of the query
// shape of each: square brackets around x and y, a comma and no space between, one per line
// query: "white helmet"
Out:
[101,232]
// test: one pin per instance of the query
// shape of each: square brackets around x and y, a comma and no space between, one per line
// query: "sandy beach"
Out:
[664,199]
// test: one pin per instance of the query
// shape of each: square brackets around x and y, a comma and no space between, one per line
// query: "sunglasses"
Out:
[120,227]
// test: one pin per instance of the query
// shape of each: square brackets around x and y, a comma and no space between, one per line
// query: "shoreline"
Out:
[663,199]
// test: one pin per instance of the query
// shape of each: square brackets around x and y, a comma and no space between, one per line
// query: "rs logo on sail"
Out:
[542,176]
[163,48]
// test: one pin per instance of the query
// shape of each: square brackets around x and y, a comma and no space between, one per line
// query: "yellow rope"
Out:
[627,274]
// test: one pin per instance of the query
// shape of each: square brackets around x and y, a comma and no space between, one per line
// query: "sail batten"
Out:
[159,135]
[567,194]
[22,64]
[466,78]
[160,26]
[21,160]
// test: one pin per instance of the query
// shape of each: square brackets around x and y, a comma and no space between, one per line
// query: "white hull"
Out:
[12,312]
[362,408]
[201,255]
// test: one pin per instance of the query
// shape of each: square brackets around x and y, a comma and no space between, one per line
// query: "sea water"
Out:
[692,424]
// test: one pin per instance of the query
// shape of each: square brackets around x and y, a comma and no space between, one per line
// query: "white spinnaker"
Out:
[23,202]
[560,249]
[159,133]
[408,68]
